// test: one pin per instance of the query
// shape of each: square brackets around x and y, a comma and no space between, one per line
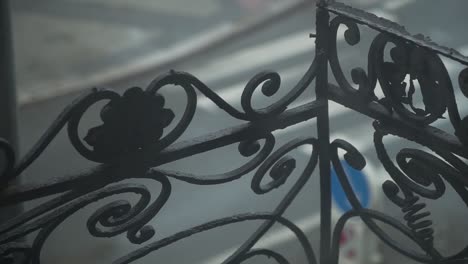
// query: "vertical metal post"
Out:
[322,42]
[8,107]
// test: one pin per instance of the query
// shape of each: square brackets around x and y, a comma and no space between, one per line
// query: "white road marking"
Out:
[130,68]
[259,56]
[397,4]
[202,8]
[361,142]
[234,92]
[215,36]
[247,59]
[256,57]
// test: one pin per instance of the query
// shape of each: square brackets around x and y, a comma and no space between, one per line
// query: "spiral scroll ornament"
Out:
[416,220]
[135,136]
[138,133]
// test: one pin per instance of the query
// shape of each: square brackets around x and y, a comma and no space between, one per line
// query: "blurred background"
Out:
[63,47]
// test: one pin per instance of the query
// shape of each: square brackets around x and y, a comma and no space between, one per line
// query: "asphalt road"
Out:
[87,42]
[286,48]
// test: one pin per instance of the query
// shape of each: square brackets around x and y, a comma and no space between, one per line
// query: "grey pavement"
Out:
[284,47]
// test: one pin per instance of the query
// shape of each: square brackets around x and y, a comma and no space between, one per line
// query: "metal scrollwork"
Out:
[134,112]
[419,174]
[461,129]
[129,143]
[139,133]
[420,170]
[245,251]
[410,65]
[366,82]
[357,161]
[417,171]
[463,81]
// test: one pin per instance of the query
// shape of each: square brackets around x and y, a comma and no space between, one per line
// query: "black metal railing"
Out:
[131,143]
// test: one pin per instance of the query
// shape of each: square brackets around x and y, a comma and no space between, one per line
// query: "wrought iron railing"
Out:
[129,144]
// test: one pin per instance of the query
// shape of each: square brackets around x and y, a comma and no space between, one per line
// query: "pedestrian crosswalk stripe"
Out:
[232,94]
[256,57]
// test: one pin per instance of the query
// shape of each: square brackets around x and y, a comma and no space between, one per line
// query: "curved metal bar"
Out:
[118,216]
[421,171]
[121,216]
[270,87]
[132,142]
[9,172]
[287,199]
[39,210]
[422,163]
[392,28]
[233,174]
[9,253]
[267,253]
[422,65]
[178,130]
[412,64]
[74,112]
[357,161]
[366,84]
[280,165]
[75,115]
[371,215]
[139,253]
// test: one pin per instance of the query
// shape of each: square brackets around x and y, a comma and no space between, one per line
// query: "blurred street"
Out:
[90,40]
[84,42]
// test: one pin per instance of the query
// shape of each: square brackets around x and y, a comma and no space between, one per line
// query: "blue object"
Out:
[358,181]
